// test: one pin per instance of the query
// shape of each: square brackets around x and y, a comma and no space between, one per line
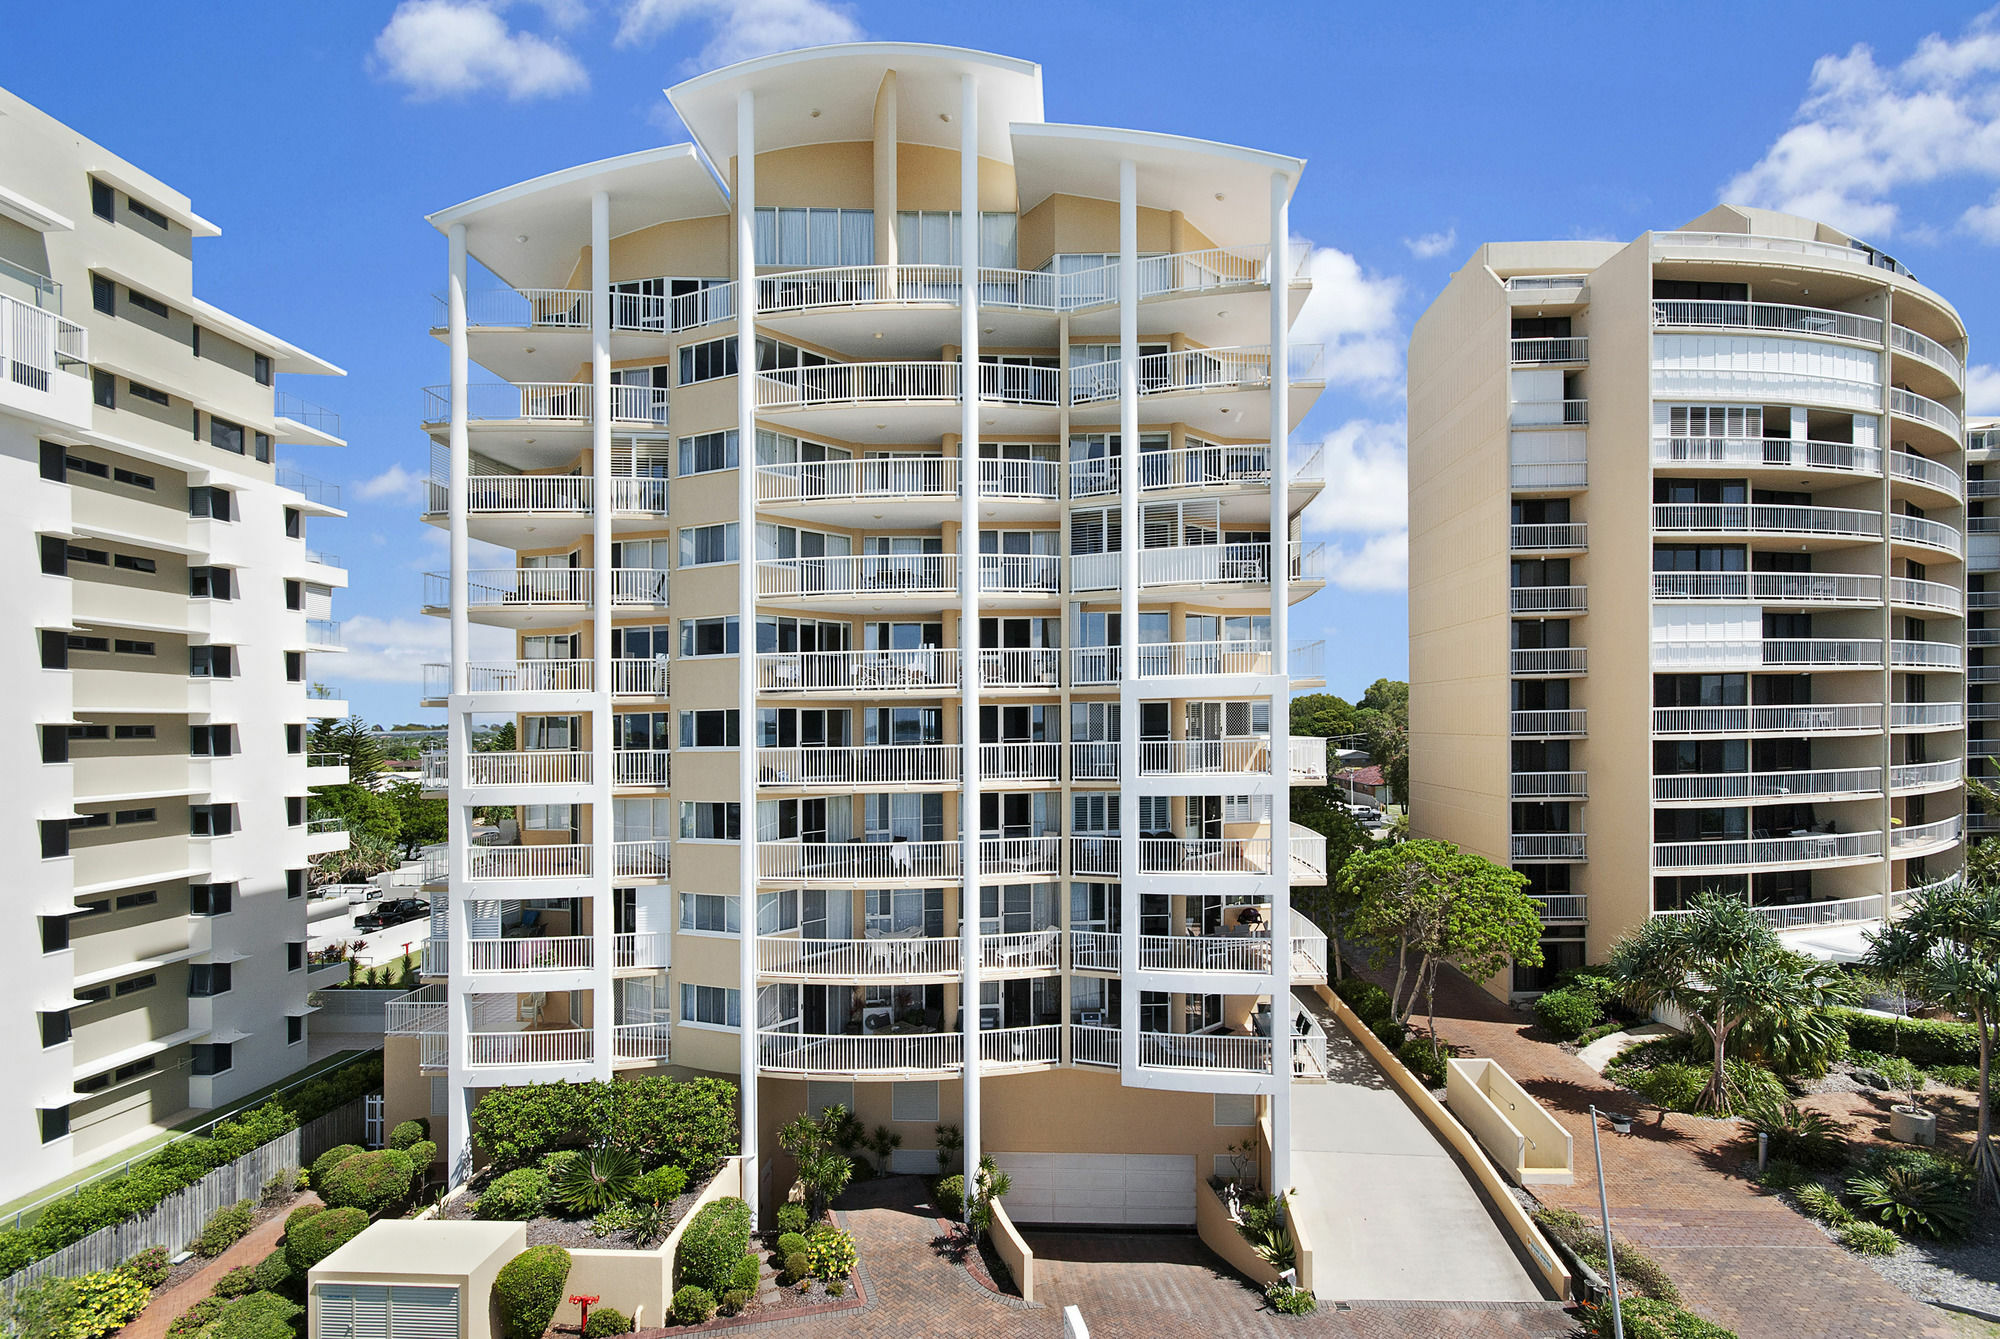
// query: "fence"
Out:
[179,1218]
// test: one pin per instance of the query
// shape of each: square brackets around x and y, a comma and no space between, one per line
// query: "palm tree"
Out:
[1721,966]
[1947,947]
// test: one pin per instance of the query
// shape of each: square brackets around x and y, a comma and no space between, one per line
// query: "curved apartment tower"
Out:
[889,729]
[1697,501]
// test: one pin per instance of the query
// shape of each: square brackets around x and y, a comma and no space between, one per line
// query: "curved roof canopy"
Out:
[1223,189]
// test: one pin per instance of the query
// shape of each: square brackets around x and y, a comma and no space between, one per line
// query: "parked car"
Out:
[393,912]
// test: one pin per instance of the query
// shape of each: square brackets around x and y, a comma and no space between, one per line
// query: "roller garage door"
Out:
[1140,1189]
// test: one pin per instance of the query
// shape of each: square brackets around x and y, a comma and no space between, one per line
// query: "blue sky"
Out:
[318,136]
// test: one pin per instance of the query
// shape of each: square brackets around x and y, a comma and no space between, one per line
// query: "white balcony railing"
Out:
[1832,652]
[1566,349]
[849,862]
[640,951]
[1935,715]
[642,1041]
[1205,1051]
[1548,660]
[1926,594]
[1920,469]
[554,953]
[1909,841]
[1011,856]
[1925,655]
[1768,316]
[1218,369]
[1549,413]
[1549,786]
[860,574]
[554,1046]
[1844,782]
[1710,242]
[1904,340]
[1247,755]
[1926,775]
[1093,760]
[641,767]
[1020,573]
[1562,906]
[1925,410]
[1931,534]
[641,678]
[1548,724]
[647,858]
[1094,853]
[1548,599]
[1773,452]
[1027,950]
[566,860]
[1562,846]
[518,308]
[1220,856]
[1201,466]
[1094,1044]
[493,588]
[901,1053]
[1812,915]
[1762,852]
[883,479]
[866,765]
[515,676]
[1307,850]
[890,956]
[1741,518]
[1775,587]
[1566,537]
[1021,480]
[36,344]
[1817,718]
[424,1010]
[1244,955]
[1198,565]
[535,767]
[921,669]
[1093,950]
[1037,1045]
[1027,667]
[1020,762]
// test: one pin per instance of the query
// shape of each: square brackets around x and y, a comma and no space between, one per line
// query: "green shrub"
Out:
[1928,1201]
[793,1217]
[789,1243]
[556,1164]
[830,1255]
[594,1182]
[528,1289]
[300,1214]
[689,1123]
[1897,1071]
[1924,1041]
[261,1315]
[1424,1059]
[798,1267]
[1819,1202]
[1390,1033]
[371,1182]
[515,1196]
[1290,1301]
[1784,1174]
[1798,1134]
[236,1282]
[1955,1076]
[332,1158]
[1567,1012]
[272,1273]
[1869,1238]
[746,1274]
[1369,1001]
[605,1322]
[76,1308]
[320,1236]
[617,1218]
[1646,1318]
[422,1154]
[149,1266]
[948,1196]
[734,1300]
[196,1316]
[1676,1086]
[664,1185]
[1585,1240]
[409,1132]
[693,1306]
[224,1228]
[715,1238]
[1600,1032]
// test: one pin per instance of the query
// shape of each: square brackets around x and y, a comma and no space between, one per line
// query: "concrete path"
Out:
[1387,1209]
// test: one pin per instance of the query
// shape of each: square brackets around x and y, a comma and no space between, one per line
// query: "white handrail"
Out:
[1926,410]
[856,383]
[641,767]
[35,344]
[568,860]
[813,1053]
[644,950]
[1093,1044]
[1565,535]
[1009,856]
[1029,950]
[1040,1044]
[532,767]
[639,585]
[1923,775]
[883,478]
[1548,599]
[1093,760]
[1905,340]
[886,956]
[1205,953]
[866,765]
[1775,452]
[848,862]
[641,678]
[1548,846]
[1548,785]
[642,1041]
[1768,316]
[1813,848]
[1778,587]
[513,676]
[1548,724]
[1020,762]
[555,953]
[1548,660]
[1925,655]
[1926,594]
[1767,785]
[1031,480]
[1026,667]
[1093,950]
[1210,1051]
[1944,832]
[1248,755]
[1020,573]
[1205,855]
[649,858]
[523,307]
[1816,718]
[860,574]
[555,1046]
[1923,470]
[1561,349]
[920,669]
[1744,518]
[1921,530]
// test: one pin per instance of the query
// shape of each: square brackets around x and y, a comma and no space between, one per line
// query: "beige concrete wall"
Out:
[1013,1250]
[1527,1143]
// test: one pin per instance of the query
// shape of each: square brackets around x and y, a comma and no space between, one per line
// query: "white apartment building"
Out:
[1688,577]
[901,722]
[1982,599]
[158,663]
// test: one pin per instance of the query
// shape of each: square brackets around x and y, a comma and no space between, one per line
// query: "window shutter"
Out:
[423,1313]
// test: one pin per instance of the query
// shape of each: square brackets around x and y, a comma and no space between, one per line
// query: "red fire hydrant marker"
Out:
[583,1305]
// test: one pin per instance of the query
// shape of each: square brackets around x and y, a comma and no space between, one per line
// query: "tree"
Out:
[423,822]
[1946,947]
[351,739]
[1327,905]
[1722,966]
[1325,715]
[824,1170]
[1427,903]
[366,814]
[495,739]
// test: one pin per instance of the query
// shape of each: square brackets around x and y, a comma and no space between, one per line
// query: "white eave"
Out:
[125,969]
[29,214]
[1222,189]
[149,192]
[125,1057]
[285,356]
[531,233]
[826,95]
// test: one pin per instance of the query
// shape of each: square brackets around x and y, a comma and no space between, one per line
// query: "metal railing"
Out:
[316,761]
[1905,340]
[1548,660]
[899,1053]
[1040,1044]
[1758,518]
[1926,594]
[1810,849]
[512,676]
[1925,410]
[1309,950]
[1521,281]
[532,767]
[311,489]
[1548,599]
[1931,534]
[1548,785]
[1811,915]
[1241,366]
[1767,785]
[1244,755]
[554,1046]
[1220,856]
[1768,316]
[646,858]
[563,308]
[1547,846]
[553,953]
[632,677]
[848,862]
[1174,467]
[322,632]
[1775,587]
[642,1041]
[1817,718]
[1935,715]
[1569,535]
[1548,724]
[1094,950]
[1926,775]
[867,765]
[326,824]
[1028,667]
[1789,246]
[1929,836]
[491,588]
[1207,1051]
[1242,954]
[860,574]
[1093,760]
[1020,573]
[1860,653]
[921,670]
[565,860]
[1565,349]
[36,344]
[1548,413]
[887,956]
[1307,854]
[1547,475]
[857,383]
[1562,906]
[1027,950]
[640,950]
[882,479]
[1925,655]
[1011,856]
[299,410]
[1921,469]
[641,767]
[426,1009]
[1094,853]
[1776,452]
[1094,1044]
[502,493]
[42,291]
[1020,762]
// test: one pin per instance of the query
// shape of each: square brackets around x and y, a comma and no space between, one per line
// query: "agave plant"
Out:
[592,1183]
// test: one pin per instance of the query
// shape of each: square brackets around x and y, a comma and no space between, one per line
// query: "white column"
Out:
[1128,616]
[746,659]
[457,1136]
[1281,701]
[603,1006]
[968,620]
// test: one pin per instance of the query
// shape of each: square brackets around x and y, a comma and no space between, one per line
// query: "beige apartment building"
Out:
[1982,599]
[1688,577]
[889,731]
[158,669]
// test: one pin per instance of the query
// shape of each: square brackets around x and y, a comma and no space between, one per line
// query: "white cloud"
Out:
[739,29]
[1367,480]
[395,650]
[1982,390]
[450,48]
[1353,315]
[394,484]
[1378,564]
[1866,131]
[1432,244]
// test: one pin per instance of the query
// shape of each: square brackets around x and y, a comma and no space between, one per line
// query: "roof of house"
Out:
[1364,776]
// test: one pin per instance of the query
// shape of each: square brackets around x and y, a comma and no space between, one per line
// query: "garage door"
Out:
[1140,1189]
[362,1311]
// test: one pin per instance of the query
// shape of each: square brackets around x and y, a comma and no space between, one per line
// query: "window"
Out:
[134,817]
[132,1071]
[93,994]
[295,955]
[547,817]
[295,738]
[134,732]
[778,911]
[295,594]
[227,435]
[707,452]
[78,642]
[295,811]
[933,237]
[55,1028]
[709,636]
[132,985]
[260,368]
[211,741]
[713,1005]
[710,729]
[89,821]
[55,933]
[55,556]
[913,1102]
[708,360]
[213,503]
[79,465]
[55,838]
[140,300]
[211,820]
[132,478]
[709,913]
[213,1057]
[264,447]
[817,237]
[52,462]
[126,647]
[211,662]
[55,742]
[147,212]
[101,907]
[77,553]
[194,340]
[145,392]
[295,667]
[103,295]
[295,523]
[1235,1109]
[295,1029]
[133,901]
[210,583]
[705,544]
[709,820]
[210,899]
[295,883]
[103,200]
[103,389]
[55,1120]
[208,978]
[132,563]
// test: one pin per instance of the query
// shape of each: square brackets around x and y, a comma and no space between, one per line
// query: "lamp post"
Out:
[1604,1214]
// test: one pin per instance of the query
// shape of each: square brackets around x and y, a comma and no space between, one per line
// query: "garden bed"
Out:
[576,1234]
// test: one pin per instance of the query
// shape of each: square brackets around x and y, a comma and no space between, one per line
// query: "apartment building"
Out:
[1696,500]
[901,719]
[1982,599]
[159,663]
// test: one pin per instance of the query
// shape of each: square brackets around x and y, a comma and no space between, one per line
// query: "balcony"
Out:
[868,575]
[647,858]
[882,956]
[1549,414]
[858,862]
[323,634]
[1910,405]
[1707,245]
[1567,537]
[1548,724]
[1925,839]
[519,309]
[1193,370]
[1931,534]
[1548,661]
[1544,352]
[1846,783]
[1020,573]
[1922,470]
[922,670]
[1923,347]
[1092,665]
[540,494]
[1093,1044]
[1549,786]
[1020,1047]
[905,766]
[643,1043]
[512,676]
[550,1046]
[1812,915]
[1934,715]
[326,769]
[1548,600]
[424,1010]
[880,480]
[1807,850]
[38,349]
[1232,1053]
[641,767]
[1679,313]
[1769,452]
[1020,762]
[1198,565]
[849,286]
[1926,655]
[1815,719]
[1017,857]
[1918,776]
[1824,652]
[1759,519]
[1248,755]
[901,1053]
[1562,907]
[1816,588]
[1176,467]
[644,952]
[546,402]
[535,767]
[1027,667]
[551,953]
[1547,476]
[1023,951]
[1926,595]
[1546,847]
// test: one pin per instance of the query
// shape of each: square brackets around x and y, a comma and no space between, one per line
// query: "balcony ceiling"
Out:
[1223,189]
[826,95]
[552,212]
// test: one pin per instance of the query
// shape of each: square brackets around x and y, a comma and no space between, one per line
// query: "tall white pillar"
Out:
[746,658]
[603,1006]
[968,620]
[1281,698]
[456,1138]
[461,462]
[1127,462]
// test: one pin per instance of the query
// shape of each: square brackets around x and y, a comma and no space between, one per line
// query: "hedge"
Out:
[371,1182]
[225,1227]
[605,1322]
[515,1196]
[180,1164]
[685,1123]
[1922,1041]
[528,1289]
[310,1242]
[711,1244]
[324,1164]
[261,1315]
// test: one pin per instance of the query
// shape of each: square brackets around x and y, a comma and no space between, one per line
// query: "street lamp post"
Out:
[1604,1214]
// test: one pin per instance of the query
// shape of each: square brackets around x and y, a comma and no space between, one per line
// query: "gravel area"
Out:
[575,1233]
[1966,1273]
